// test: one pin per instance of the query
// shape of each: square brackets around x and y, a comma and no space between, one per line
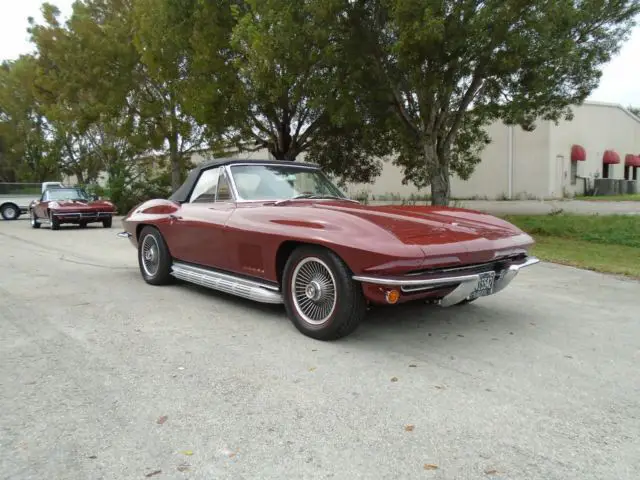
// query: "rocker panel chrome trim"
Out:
[240,287]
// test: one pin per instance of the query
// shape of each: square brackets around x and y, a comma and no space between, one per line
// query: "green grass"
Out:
[635,197]
[603,243]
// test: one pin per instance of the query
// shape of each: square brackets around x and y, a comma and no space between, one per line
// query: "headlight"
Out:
[54,205]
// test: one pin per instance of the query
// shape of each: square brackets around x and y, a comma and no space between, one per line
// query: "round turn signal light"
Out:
[392,296]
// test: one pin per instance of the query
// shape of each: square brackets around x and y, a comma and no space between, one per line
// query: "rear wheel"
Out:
[106,223]
[10,211]
[34,221]
[321,299]
[154,258]
[83,224]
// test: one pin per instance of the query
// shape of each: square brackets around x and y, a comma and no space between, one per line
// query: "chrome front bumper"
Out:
[81,215]
[466,283]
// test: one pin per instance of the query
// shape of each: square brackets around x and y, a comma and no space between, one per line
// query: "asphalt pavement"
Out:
[105,377]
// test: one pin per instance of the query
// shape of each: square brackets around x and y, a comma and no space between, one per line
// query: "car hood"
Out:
[417,225]
[441,231]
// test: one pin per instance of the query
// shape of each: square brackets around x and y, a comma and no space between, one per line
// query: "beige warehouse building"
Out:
[601,141]
[553,161]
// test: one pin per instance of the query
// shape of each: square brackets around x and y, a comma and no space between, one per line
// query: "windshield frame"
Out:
[340,195]
[46,195]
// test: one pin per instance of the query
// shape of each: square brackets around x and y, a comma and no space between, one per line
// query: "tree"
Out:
[27,152]
[452,67]
[264,74]
[84,82]
[162,77]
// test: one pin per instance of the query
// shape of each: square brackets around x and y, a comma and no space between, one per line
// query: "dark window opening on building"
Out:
[605,170]
[627,172]
[574,172]
[635,173]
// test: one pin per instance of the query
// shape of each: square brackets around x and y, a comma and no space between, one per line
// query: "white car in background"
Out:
[15,198]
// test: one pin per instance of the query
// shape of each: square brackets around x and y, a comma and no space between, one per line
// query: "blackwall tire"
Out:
[54,222]
[10,211]
[154,258]
[34,221]
[320,297]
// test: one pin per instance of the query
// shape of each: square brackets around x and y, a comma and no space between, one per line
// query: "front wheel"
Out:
[154,258]
[34,221]
[106,223]
[54,221]
[320,297]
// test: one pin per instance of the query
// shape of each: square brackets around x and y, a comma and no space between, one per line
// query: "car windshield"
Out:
[282,182]
[66,194]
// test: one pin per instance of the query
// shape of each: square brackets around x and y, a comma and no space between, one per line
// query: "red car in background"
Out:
[70,205]
[282,232]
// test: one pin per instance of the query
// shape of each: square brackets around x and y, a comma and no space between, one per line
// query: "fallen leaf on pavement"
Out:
[312,369]
[413,365]
[186,452]
[93,457]
[493,471]
[157,472]
[440,387]
[162,419]
[394,379]
[409,428]
[183,467]
[430,466]
[228,452]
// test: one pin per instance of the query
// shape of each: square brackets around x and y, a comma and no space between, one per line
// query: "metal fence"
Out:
[7,188]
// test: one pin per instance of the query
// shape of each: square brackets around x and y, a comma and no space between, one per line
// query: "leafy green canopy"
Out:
[452,67]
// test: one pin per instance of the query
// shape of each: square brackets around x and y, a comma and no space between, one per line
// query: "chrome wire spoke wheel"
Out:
[150,255]
[313,289]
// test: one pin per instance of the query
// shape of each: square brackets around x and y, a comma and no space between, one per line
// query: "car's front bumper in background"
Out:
[81,216]
[452,289]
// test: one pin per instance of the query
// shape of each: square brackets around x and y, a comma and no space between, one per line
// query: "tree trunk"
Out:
[441,186]
[438,168]
[174,158]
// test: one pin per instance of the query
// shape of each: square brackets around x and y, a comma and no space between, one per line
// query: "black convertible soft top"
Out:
[182,193]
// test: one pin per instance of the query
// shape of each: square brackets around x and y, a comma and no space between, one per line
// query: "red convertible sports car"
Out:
[70,205]
[282,232]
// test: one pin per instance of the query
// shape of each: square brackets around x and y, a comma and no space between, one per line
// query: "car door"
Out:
[196,232]
[40,206]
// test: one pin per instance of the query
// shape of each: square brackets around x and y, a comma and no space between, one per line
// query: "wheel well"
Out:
[285,250]
[139,229]
[6,204]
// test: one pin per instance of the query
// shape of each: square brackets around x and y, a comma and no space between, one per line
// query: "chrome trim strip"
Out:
[82,214]
[231,284]
[510,273]
[403,282]
[232,182]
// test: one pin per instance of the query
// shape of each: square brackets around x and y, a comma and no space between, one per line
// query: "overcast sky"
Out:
[619,84]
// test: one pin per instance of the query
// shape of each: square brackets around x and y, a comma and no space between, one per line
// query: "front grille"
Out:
[495,265]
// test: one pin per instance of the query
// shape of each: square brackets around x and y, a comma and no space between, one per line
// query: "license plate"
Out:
[485,285]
